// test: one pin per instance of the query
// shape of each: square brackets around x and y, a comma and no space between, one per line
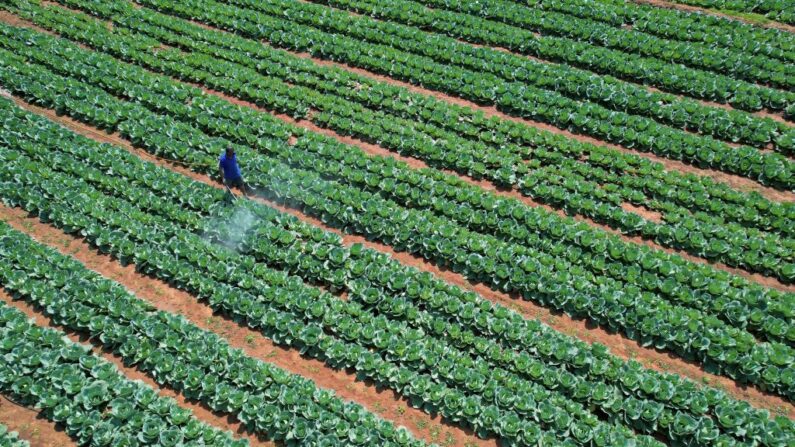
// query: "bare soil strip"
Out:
[14,20]
[778,116]
[166,298]
[201,411]
[618,344]
[386,403]
[735,181]
[764,113]
[484,184]
[688,8]
[38,431]
[373,149]
[514,193]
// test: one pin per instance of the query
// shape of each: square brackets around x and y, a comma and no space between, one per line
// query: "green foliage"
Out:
[97,405]
[11,438]
[655,69]
[370,339]
[176,353]
[518,275]
[565,185]
[484,367]
[429,63]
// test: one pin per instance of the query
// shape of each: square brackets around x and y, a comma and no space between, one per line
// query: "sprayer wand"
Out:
[229,190]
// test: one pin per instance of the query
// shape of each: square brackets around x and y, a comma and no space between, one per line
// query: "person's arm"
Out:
[220,171]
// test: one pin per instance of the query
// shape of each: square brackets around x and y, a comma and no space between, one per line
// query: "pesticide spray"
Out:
[232,223]
[238,225]
[233,218]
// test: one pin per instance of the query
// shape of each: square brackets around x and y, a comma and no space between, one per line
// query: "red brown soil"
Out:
[618,344]
[383,402]
[731,179]
[199,410]
[487,185]
[735,181]
[161,47]
[545,61]
[643,212]
[14,20]
[412,162]
[712,12]
[38,431]
[377,150]
[621,346]
[773,115]
[628,27]
[513,193]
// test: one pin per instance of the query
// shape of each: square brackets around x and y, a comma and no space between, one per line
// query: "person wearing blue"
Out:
[230,171]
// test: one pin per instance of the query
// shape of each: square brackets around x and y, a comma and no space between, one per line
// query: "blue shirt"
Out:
[230,167]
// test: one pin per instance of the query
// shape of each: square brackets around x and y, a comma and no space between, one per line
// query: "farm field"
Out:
[493,223]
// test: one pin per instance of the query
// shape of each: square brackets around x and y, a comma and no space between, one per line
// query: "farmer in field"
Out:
[230,171]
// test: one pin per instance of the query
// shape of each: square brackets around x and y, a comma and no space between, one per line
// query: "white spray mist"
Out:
[232,230]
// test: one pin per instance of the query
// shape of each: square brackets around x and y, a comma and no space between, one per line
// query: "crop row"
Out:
[687,232]
[298,160]
[781,10]
[516,84]
[468,55]
[545,18]
[421,346]
[146,132]
[299,316]
[711,30]
[583,45]
[601,97]
[239,300]
[514,97]
[474,156]
[339,159]
[497,164]
[317,236]
[199,364]
[41,368]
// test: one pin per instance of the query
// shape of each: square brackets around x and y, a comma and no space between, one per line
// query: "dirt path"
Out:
[373,149]
[201,411]
[775,115]
[514,193]
[14,20]
[688,8]
[618,344]
[739,182]
[416,163]
[735,181]
[38,431]
[386,403]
